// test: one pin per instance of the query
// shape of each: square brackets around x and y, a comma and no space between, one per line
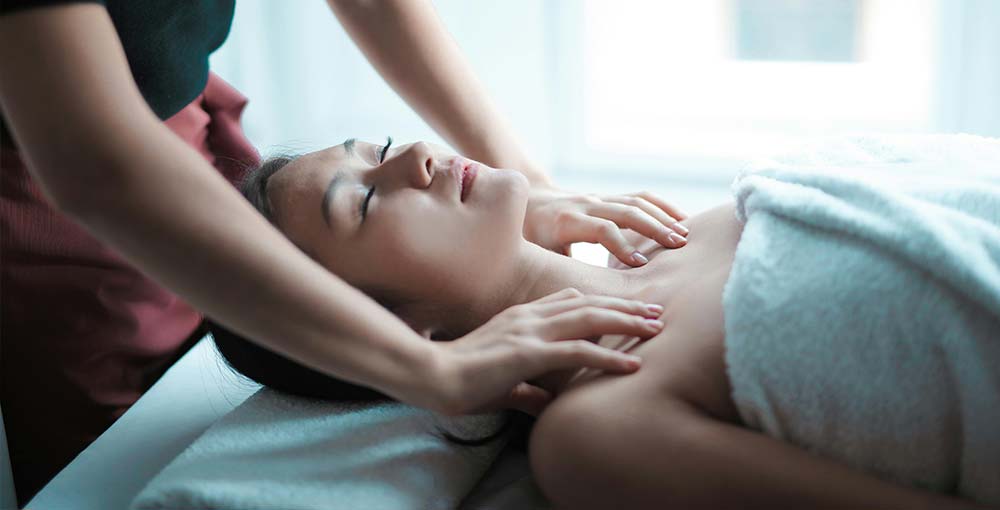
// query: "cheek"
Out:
[412,246]
[437,248]
[425,248]
[418,227]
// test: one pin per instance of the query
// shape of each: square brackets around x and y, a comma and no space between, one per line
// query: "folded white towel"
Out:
[863,308]
[278,451]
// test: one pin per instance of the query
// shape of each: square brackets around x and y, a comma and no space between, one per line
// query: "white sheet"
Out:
[281,451]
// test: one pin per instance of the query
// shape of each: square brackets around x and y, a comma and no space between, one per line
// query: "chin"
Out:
[517,178]
[514,184]
[514,193]
[502,188]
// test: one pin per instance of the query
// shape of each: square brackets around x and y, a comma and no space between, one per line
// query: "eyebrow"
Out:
[331,189]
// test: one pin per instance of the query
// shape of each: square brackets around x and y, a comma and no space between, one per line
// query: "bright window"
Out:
[680,85]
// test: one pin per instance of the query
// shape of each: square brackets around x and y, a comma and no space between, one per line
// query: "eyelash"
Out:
[371,191]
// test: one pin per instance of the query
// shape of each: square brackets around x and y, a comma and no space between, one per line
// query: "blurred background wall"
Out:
[667,95]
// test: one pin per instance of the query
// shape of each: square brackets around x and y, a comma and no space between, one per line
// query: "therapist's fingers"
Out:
[669,208]
[590,321]
[651,209]
[575,354]
[567,293]
[630,306]
[634,218]
[590,229]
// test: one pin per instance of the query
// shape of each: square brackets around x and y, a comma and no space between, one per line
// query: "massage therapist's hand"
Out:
[486,370]
[555,219]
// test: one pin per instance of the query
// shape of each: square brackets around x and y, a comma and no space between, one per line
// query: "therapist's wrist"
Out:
[440,381]
[424,381]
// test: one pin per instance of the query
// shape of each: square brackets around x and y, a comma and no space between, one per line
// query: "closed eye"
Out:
[371,190]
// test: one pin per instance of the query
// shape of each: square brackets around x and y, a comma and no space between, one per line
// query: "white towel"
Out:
[862,313]
[276,451]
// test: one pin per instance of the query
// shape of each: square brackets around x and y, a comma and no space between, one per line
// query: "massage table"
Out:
[193,393]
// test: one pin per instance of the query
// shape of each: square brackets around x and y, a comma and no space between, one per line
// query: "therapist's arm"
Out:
[102,157]
[413,51]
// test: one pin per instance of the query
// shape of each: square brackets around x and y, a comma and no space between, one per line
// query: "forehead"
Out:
[304,180]
[310,171]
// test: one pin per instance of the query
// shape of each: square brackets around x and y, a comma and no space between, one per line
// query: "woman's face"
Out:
[403,226]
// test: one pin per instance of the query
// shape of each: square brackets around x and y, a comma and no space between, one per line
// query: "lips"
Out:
[468,176]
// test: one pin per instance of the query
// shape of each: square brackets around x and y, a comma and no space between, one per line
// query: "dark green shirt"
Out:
[167,43]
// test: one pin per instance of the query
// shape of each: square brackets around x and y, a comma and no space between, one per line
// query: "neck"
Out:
[540,272]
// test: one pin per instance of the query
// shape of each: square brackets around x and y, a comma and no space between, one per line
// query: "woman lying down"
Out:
[829,342]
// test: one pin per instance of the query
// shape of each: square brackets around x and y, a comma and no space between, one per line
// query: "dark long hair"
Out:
[280,373]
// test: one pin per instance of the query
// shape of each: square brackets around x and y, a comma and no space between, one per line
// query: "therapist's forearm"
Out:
[410,47]
[100,154]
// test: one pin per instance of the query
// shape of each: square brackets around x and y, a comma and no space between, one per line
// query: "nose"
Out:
[418,164]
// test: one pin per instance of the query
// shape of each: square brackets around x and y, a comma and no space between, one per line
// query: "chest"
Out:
[686,358]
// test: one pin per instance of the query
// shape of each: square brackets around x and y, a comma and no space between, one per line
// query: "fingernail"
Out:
[654,309]
[680,228]
[654,324]
[636,360]
[638,258]
[677,238]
